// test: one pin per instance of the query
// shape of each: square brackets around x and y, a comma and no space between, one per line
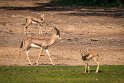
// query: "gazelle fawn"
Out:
[42,43]
[30,20]
[88,55]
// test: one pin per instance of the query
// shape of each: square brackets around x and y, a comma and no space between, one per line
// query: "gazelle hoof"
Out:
[96,72]
[36,64]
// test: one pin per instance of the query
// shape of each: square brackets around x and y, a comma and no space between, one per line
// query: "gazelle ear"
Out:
[87,50]
[81,52]
[42,15]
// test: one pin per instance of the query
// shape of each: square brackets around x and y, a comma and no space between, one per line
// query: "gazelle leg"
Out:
[27,54]
[39,56]
[88,67]
[17,57]
[28,22]
[40,31]
[85,67]
[25,29]
[49,56]
[97,69]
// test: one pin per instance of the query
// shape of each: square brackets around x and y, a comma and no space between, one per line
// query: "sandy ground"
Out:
[98,29]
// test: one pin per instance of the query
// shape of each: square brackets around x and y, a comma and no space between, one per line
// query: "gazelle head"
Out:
[81,53]
[42,17]
[84,53]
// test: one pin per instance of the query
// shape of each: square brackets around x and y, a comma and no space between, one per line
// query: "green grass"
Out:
[60,74]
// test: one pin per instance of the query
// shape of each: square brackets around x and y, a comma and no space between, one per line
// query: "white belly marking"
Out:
[35,46]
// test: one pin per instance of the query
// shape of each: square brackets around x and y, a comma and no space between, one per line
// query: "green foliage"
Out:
[60,74]
[100,3]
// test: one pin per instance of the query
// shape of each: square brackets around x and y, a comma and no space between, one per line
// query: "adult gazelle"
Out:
[42,43]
